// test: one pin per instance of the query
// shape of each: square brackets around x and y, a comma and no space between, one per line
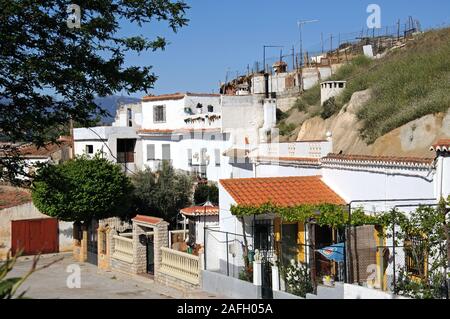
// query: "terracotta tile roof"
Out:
[200,211]
[148,219]
[377,159]
[47,150]
[10,197]
[163,97]
[442,145]
[308,160]
[285,191]
[175,96]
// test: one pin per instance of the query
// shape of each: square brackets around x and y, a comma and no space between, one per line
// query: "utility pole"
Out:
[300,24]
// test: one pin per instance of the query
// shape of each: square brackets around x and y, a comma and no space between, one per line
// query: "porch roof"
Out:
[200,211]
[285,191]
[148,220]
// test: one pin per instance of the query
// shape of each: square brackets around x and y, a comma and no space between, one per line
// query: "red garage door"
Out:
[34,236]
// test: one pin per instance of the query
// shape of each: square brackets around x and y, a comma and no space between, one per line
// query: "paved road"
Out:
[51,283]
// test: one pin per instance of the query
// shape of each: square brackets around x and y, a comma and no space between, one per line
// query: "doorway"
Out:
[150,256]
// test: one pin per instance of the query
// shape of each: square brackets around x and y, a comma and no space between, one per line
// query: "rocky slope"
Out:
[412,139]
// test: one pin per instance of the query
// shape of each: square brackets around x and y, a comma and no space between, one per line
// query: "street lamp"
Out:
[300,24]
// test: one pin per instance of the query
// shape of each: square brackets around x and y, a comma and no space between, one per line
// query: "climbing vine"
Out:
[323,214]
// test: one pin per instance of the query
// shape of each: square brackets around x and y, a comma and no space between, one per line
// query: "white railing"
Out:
[180,265]
[123,249]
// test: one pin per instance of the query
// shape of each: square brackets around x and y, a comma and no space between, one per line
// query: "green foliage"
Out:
[203,192]
[162,193]
[297,278]
[9,286]
[286,129]
[330,108]
[300,105]
[52,73]
[407,84]
[281,115]
[246,274]
[323,214]
[82,189]
[312,96]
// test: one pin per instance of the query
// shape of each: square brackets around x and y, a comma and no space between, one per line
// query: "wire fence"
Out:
[333,48]
[224,253]
[371,258]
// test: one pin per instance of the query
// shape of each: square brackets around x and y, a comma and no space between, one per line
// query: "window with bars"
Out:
[159,114]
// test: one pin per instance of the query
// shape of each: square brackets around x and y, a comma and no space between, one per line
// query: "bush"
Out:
[330,108]
[162,193]
[82,189]
[205,191]
[300,105]
[297,279]
[286,129]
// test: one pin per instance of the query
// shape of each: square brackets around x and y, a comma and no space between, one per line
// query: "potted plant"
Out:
[328,280]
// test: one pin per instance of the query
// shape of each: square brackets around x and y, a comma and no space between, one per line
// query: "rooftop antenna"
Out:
[300,24]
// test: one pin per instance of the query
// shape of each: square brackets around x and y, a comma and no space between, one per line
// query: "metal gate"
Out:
[266,282]
[34,236]
[150,256]
[92,243]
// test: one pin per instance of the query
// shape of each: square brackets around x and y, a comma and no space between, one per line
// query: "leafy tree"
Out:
[144,185]
[203,192]
[50,71]
[82,189]
[162,193]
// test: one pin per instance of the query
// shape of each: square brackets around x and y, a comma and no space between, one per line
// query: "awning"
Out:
[333,253]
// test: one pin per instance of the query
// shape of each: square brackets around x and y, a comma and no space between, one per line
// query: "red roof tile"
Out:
[289,159]
[200,211]
[285,191]
[47,150]
[442,145]
[175,96]
[383,159]
[148,219]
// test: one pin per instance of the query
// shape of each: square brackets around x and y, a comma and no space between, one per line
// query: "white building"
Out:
[292,176]
[192,131]
[329,89]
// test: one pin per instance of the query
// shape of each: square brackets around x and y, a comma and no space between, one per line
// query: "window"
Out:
[203,153]
[189,157]
[159,114]
[89,149]
[166,152]
[210,108]
[415,256]
[341,85]
[150,152]
[125,150]
[263,240]
[217,156]
[130,117]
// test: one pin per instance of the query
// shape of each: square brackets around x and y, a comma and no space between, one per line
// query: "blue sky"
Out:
[227,35]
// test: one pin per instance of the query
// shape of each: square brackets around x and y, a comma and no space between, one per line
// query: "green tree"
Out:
[82,189]
[144,185]
[51,72]
[203,192]
[162,193]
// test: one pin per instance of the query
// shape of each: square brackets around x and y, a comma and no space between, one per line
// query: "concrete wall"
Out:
[29,211]
[353,182]
[227,286]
